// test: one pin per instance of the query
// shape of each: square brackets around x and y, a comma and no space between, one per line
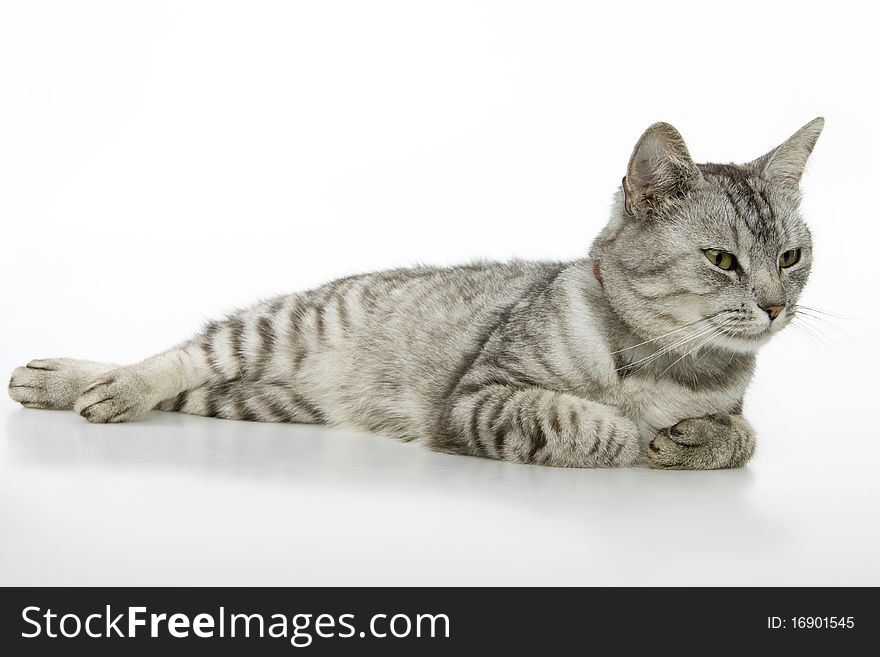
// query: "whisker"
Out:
[657,356]
[665,350]
[660,337]
[821,312]
[814,341]
[813,331]
[800,312]
[811,320]
[680,358]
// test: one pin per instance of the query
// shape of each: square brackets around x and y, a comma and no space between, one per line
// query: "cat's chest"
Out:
[656,405]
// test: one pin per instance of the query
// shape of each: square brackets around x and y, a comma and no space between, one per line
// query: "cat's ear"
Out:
[785,163]
[660,169]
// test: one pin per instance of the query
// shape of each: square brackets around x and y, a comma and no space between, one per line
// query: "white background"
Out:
[161,163]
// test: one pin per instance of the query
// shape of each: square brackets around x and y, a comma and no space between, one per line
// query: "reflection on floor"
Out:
[185,500]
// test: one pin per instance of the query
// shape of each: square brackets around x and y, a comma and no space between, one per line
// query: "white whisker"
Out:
[808,314]
[665,350]
[812,331]
[660,337]
[801,306]
[814,341]
[711,337]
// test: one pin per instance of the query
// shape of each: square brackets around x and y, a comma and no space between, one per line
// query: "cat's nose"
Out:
[773,311]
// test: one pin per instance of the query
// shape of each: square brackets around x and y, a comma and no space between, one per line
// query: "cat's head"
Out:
[716,251]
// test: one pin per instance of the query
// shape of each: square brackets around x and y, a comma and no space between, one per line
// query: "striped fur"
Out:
[642,349]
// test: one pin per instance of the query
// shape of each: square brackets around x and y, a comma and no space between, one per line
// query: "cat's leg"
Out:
[536,425]
[262,343]
[704,443]
[54,383]
[266,342]
[130,392]
[102,392]
[241,399]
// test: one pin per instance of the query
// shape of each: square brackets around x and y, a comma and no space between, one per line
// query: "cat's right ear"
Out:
[660,169]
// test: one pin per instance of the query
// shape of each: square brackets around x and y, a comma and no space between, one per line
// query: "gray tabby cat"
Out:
[643,350]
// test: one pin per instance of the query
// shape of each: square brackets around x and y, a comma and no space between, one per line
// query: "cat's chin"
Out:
[744,344]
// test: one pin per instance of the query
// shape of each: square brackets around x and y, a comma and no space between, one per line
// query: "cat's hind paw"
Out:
[52,383]
[122,395]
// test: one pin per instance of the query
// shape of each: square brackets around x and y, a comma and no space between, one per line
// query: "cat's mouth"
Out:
[747,333]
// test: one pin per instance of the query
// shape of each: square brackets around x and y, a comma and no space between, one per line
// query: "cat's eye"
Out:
[789,258]
[721,259]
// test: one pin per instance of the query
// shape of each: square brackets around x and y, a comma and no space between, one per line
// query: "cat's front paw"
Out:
[702,443]
[122,395]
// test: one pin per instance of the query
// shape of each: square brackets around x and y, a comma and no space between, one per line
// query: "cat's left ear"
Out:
[785,163]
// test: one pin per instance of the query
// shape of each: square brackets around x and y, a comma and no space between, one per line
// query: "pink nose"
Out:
[773,311]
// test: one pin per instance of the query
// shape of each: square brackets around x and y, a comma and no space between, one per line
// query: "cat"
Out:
[640,353]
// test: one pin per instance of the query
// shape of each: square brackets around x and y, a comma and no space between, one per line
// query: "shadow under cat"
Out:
[339,458]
